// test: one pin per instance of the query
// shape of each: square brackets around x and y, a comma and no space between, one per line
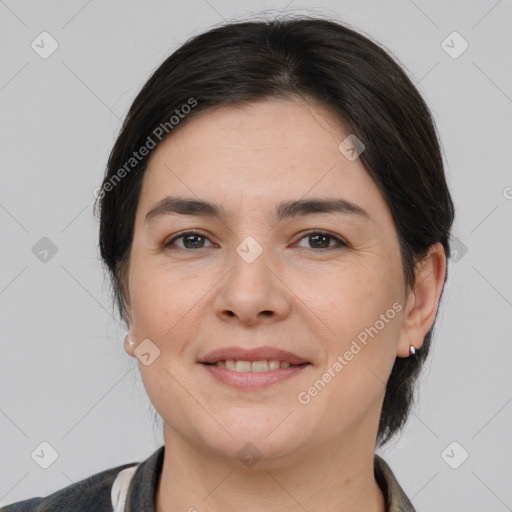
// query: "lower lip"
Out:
[253,380]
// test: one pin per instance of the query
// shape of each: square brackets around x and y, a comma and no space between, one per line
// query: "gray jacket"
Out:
[98,493]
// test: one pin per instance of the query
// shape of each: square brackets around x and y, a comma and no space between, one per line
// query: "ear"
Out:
[422,300]
[122,273]
[128,309]
[129,342]
[129,345]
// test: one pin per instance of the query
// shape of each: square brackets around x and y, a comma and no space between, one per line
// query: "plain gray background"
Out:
[64,376]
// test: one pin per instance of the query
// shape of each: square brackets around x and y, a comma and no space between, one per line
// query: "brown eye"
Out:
[323,240]
[190,240]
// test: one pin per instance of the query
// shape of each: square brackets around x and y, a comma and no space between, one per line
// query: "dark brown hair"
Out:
[312,58]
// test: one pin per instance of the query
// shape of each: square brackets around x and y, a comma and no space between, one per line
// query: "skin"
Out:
[296,296]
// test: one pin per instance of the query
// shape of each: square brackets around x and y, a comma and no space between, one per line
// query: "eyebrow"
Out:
[183,206]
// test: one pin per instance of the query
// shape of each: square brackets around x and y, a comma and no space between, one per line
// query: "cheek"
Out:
[168,303]
[162,311]
[363,312]
[147,300]
[348,297]
[158,299]
[366,315]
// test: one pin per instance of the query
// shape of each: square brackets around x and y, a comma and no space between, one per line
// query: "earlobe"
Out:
[423,300]
[129,345]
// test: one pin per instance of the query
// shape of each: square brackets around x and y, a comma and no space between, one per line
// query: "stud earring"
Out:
[412,350]
[129,340]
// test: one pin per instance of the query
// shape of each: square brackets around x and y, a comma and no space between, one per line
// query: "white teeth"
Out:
[243,366]
[259,366]
[253,366]
[274,364]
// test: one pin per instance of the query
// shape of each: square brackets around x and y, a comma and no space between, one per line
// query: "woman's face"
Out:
[267,269]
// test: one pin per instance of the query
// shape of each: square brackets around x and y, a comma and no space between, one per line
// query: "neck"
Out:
[332,479]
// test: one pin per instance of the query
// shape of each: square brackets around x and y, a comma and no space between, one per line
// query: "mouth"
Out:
[254,359]
[252,368]
[262,365]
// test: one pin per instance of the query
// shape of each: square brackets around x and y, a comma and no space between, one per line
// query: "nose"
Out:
[252,293]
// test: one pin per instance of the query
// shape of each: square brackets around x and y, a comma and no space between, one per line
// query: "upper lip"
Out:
[253,354]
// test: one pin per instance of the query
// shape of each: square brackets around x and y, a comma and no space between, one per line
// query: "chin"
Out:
[257,437]
[256,454]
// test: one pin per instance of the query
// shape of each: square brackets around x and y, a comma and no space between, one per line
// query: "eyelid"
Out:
[170,241]
[339,240]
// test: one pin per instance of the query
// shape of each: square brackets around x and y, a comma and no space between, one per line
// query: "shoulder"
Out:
[91,493]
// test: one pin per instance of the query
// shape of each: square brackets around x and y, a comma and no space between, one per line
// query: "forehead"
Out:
[259,152]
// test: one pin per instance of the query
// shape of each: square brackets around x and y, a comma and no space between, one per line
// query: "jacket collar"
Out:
[143,486]
[396,499]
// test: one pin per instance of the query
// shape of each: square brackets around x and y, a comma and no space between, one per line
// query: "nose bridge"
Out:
[251,276]
[251,290]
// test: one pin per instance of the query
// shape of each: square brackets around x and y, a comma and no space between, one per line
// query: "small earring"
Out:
[129,340]
[412,350]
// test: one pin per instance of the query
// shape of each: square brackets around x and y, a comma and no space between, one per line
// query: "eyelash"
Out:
[339,241]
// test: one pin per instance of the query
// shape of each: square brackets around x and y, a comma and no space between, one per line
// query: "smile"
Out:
[254,366]
[252,375]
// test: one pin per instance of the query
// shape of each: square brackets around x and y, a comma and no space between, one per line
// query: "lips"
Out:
[254,354]
[253,369]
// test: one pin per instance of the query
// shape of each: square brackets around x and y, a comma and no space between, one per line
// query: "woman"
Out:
[275,220]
